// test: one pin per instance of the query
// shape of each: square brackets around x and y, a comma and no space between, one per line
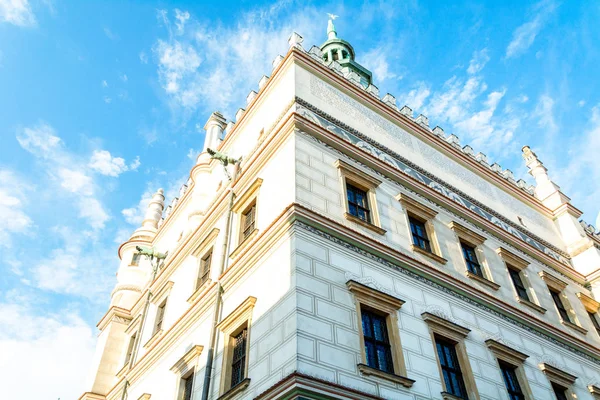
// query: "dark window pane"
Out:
[358,204]
[471,259]
[419,234]
[515,276]
[512,383]
[594,318]
[560,306]
[188,387]
[238,364]
[377,344]
[559,391]
[248,221]
[451,371]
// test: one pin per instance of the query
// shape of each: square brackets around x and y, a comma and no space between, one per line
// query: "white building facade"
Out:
[346,250]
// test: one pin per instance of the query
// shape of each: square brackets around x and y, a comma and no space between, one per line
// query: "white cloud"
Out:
[124,78]
[242,52]
[104,83]
[107,99]
[104,163]
[14,192]
[135,215]
[110,34]
[581,103]
[480,58]
[417,96]
[544,112]
[68,170]
[524,36]
[143,58]
[523,99]
[376,60]
[182,17]
[61,344]
[17,12]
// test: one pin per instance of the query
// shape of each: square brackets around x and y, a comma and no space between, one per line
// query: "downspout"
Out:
[219,290]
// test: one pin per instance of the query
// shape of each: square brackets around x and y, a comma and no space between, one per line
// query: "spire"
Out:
[339,50]
[331,32]
[152,217]
[545,190]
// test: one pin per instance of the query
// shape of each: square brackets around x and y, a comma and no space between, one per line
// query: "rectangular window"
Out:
[509,373]
[560,305]
[377,343]
[559,391]
[594,318]
[130,348]
[419,234]
[160,314]
[515,276]
[188,387]
[471,259]
[204,271]
[248,219]
[358,204]
[238,360]
[450,366]
[135,260]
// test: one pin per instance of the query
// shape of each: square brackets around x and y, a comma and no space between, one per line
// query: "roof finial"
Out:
[331,33]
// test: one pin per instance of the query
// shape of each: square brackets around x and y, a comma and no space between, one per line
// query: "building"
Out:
[336,247]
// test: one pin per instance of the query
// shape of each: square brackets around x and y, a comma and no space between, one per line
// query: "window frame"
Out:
[185,368]
[350,175]
[387,306]
[592,307]
[519,264]
[452,332]
[557,290]
[204,268]
[558,377]
[515,359]
[238,320]
[135,259]
[248,200]
[469,238]
[161,297]
[426,215]
[207,244]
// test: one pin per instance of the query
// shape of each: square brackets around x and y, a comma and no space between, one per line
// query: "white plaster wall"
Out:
[328,340]
[319,188]
[367,121]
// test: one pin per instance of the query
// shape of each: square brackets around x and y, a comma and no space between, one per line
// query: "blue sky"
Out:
[101,103]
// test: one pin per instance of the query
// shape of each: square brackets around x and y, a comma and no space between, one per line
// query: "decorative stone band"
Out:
[350,135]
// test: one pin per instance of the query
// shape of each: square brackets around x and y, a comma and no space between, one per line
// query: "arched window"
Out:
[344,54]
[326,57]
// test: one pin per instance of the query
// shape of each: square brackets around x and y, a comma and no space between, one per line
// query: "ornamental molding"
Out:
[387,155]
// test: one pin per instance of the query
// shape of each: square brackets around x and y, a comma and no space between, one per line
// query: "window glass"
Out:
[559,391]
[377,343]
[515,276]
[471,259]
[560,306]
[358,204]
[509,373]
[238,362]
[419,234]
[451,371]
[248,221]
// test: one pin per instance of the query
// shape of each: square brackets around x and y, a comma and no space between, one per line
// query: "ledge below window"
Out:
[483,281]
[571,325]
[231,393]
[450,396]
[244,244]
[429,254]
[153,339]
[531,305]
[364,223]
[369,371]
[201,291]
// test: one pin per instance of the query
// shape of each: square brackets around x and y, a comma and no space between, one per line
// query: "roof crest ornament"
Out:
[331,32]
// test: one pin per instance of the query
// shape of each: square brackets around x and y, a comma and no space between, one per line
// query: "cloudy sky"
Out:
[103,102]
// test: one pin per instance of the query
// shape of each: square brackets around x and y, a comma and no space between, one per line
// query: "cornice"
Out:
[417,130]
[114,313]
[398,178]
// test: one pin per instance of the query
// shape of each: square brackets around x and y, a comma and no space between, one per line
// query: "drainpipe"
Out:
[219,299]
